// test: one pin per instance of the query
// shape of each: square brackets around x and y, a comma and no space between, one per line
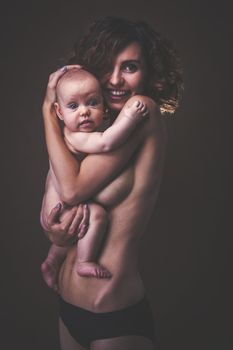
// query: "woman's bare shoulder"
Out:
[154,125]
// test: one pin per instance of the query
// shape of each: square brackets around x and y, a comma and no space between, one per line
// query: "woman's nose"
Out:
[115,78]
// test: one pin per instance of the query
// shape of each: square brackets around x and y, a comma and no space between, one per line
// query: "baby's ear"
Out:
[58,110]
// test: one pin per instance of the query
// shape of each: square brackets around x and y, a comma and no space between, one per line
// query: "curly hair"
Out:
[107,37]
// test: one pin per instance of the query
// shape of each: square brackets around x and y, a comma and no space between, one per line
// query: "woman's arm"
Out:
[60,229]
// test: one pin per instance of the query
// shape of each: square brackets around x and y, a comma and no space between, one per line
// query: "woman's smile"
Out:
[117,95]
[126,78]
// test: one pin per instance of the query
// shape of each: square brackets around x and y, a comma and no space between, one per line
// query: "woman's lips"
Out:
[116,95]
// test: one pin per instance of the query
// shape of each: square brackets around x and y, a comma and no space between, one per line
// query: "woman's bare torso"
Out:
[117,190]
[130,200]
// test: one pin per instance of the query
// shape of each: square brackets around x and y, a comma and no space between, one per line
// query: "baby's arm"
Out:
[114,136]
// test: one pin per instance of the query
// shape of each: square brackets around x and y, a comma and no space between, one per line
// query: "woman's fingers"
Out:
[53,215]
[55,76]
[53,80]
[70,66]
[85,222]
[61,227]
[67,222]
[78,218]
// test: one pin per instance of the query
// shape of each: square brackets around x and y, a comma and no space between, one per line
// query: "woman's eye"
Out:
[130,67]
[72,105]
[93,102]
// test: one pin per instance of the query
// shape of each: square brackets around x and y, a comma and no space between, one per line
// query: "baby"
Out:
[80,106]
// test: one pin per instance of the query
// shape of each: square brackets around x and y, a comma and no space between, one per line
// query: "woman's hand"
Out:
[64,229]
[50,96]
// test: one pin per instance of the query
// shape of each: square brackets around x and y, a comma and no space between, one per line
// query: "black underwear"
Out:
[86,326]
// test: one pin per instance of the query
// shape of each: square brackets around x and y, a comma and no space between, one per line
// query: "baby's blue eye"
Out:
[72,105]
[93,102]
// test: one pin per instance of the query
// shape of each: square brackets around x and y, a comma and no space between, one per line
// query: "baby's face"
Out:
[80,104]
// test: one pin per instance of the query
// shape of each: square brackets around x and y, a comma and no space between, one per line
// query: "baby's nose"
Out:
[84,111]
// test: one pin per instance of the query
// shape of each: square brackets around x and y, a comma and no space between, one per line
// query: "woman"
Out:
[129,59]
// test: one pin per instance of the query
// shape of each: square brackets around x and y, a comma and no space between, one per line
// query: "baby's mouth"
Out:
[86,122]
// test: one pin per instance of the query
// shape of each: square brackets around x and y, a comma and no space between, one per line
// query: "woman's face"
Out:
[127,77]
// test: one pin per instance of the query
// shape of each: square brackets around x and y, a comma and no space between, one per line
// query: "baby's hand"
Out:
[138,110]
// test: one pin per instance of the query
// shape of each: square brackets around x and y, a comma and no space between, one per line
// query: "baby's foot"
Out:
[91,269]
[138,110]
[50,269]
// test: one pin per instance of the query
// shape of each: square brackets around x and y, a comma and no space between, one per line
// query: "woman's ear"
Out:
[58,110]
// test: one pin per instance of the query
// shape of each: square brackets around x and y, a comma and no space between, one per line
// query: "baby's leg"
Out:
[89,245]
[51,266]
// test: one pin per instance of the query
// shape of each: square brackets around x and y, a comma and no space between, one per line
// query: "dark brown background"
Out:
[186,255]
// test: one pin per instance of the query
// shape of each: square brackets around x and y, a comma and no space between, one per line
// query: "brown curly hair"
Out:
[107,37]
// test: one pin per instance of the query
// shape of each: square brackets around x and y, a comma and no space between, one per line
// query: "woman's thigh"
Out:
[123,343]
[66,341]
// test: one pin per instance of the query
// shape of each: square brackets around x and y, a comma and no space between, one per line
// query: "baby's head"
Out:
[79,101]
